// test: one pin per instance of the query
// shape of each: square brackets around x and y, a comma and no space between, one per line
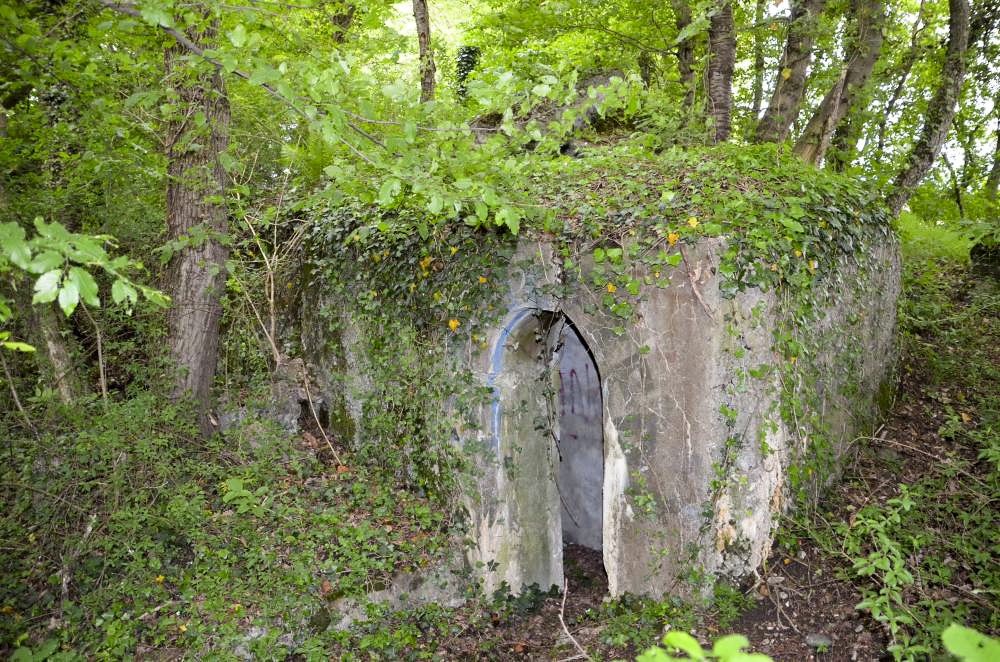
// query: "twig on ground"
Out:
[305,382]
[562,610]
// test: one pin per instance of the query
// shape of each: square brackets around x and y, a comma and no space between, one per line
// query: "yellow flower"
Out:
[454,249]
[656,274]
[798,253]
[183,628]
[426,262]
[672,238]
[453,324]
[793,359]
[437,296]
[159,579]
[693,222]
[774,267]
[611,288]
[813,264]
[413,286]
[482,280]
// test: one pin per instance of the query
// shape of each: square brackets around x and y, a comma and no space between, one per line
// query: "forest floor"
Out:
[804,603]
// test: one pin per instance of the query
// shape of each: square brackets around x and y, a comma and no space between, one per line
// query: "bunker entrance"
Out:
[580,478]
[549,432]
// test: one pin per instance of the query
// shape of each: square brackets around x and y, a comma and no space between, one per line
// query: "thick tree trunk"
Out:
[940,110]
[685,52]
[758,60]
[196,217]
[861,53]
[790,83]
[722,58]
[427,68]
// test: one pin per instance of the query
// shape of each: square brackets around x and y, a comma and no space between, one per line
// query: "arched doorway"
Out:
[547,432]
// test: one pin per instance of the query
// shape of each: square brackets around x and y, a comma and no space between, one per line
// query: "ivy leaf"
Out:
[47,286]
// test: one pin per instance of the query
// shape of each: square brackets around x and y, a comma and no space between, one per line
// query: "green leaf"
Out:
[541,90]
[13,245]
[655,655]
[435,205]
[122,290]
[47,286]
[388,191]
[86,286]
[510,218]
[969,645]
[238,36]
[17,346]
[684,642]
[69,297]
[675,259]
[729,645]
[46,261]
[264,74]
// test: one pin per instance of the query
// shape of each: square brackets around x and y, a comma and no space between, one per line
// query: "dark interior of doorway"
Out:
[581,465]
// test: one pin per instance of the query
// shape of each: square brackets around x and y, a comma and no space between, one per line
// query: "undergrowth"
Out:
[920,540]
[123,535]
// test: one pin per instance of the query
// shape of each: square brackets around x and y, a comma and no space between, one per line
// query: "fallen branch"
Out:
[305,383]
[562,610]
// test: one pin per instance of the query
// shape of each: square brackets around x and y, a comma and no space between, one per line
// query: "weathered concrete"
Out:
[695,451]
[659,441]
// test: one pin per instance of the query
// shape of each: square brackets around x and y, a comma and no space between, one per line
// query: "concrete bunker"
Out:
[548,434]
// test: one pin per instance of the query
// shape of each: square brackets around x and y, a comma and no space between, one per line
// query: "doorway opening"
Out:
[580,475]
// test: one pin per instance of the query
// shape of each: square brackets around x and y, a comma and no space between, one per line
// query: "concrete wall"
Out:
[664,442]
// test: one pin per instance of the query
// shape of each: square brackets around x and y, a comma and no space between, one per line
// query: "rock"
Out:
[816,640]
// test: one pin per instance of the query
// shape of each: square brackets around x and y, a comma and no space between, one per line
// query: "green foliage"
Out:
[60,260]
[969,645]
[726,649]
[921,555]
[151,542]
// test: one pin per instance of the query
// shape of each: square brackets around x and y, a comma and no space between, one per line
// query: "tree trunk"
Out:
[758,60]
[940,110]
[427,68]
[722,58]
[861,53]
[196,217]
[993,180]
[908,61]
[685,52]
[790,83]
[56,357]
